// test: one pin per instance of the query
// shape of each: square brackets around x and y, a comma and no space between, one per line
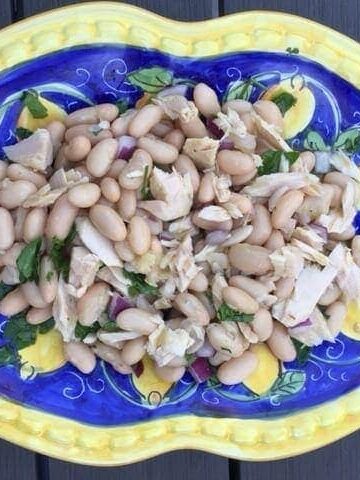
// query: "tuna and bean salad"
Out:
[184,230]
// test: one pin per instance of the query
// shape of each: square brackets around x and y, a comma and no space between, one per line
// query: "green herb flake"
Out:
[190,358]
[19,332]
[82,331]
[31,100]
[49,275]
[145,188]
[110,326]
[302,351]
[293,50]
[28,262]
[23,133]
[60,253]
[284,100]
[5,289]
[227,314]
[272,159]
[122,106]
[46,326]
[139,285]
[8,356]
[226,350]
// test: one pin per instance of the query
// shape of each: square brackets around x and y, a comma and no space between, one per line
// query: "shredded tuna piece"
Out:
[270,134]
[35,152]
[173,194]
[165,344]
[64,312]
[266,185]
[218,284]
[231,124]
[83,268]
[287,261]
[202,151]
[221,185]
[114,276]
[346,166]
[338,222]
[177,107]
[315,333]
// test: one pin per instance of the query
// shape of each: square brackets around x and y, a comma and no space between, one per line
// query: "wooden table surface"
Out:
[340,461]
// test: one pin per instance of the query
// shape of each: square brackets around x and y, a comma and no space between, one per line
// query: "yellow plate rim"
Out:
[236,438]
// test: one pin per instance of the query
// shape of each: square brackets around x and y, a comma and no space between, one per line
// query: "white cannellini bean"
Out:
[336,313]
[280,343]
[48,281]
[7,230]
[139,235]
[144,120]
[199,283]
[9,257]
[16,171]
[176,138]
[61,218]
[112,355]
[85,195]
[3,169]
[263,324]
[206,100]
[250,259]
[81,356]
[108,222]
[169,374]
[137,320]
[240,300]
[93,303]
[184,165]
[57,132]
[134,350]
[285,208]
[110,189]
[102,155]
[284,287]
[131,176]
[190,306]
[35,316]
[236,370]
[14,194]
[262,226]
[13,303]
[103,112]
[33,295]
[124,251]
[77,149]
[161,152]
[127,204]
[34,224]
[234,162]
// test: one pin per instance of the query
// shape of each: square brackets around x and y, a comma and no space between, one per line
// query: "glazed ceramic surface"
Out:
[120,53]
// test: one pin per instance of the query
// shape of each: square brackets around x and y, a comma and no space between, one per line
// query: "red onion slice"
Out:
[117,305]
[138,369]
[215,131]
[200,370]
[226,144]
[126,147]
[305,323]
[206,351]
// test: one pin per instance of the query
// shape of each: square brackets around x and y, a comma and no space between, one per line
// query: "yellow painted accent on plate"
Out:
[351,327]
[298,117]
[149,385]
[46,355]
[266,372]
[26,120]
[110,22]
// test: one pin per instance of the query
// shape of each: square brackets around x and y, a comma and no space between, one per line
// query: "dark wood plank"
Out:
[5,12]
[16,463]
[175,466]
[179,10]
[340,460]
[342,16]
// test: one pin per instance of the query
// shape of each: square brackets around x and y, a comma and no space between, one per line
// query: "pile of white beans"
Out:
[110,200]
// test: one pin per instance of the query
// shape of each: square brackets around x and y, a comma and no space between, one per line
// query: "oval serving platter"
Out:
[99,52]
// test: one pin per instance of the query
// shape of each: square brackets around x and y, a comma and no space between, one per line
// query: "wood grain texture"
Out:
[176,9]
[16,463]
[184,465]
[5,12]
[338,14]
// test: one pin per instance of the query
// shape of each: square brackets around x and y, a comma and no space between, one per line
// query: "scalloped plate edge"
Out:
[236,438]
